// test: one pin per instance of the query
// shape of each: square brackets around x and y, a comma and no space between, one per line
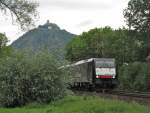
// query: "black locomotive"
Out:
[93,73]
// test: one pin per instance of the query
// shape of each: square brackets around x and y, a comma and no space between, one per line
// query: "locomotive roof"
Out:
[88,60]
[103,59]
[78,63]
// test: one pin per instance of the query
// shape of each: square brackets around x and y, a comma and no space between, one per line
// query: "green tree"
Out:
[3,40]
[137,16]
[135,76]
[22,11]
[103,42]
[4,49]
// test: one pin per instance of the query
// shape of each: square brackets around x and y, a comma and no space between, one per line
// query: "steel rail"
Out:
[131,94]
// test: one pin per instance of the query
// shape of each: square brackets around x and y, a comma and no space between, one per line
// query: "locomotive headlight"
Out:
[97,76]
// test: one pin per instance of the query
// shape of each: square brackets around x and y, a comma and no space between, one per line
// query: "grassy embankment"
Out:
[77,104]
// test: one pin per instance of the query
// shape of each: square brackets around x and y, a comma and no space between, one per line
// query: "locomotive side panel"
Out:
[82,73]
[90,71]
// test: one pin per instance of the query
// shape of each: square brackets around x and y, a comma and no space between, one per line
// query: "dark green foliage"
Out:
[4,49]
[25,79]
[3,40]
[104,42]
[48,36]
[137,16]
[135,76]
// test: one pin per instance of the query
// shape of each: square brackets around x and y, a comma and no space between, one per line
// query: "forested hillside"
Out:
[48,36]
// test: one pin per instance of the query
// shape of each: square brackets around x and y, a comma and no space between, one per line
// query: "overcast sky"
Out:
[75,16]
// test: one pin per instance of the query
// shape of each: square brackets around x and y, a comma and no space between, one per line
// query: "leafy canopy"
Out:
[137,15]
[103,42]
[4,49]
[3,40]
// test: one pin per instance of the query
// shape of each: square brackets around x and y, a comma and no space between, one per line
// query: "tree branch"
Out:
[11,10]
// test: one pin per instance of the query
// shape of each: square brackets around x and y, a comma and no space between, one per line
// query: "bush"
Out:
[135,76]
[25,79]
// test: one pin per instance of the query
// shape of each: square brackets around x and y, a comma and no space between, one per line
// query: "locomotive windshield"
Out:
[105,64]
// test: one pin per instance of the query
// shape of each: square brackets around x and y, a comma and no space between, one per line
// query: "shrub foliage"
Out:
[25,79]
[135,76]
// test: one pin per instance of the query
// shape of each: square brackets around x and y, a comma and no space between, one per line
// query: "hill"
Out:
[48,36]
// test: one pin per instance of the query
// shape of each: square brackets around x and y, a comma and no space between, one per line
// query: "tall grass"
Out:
[78,104]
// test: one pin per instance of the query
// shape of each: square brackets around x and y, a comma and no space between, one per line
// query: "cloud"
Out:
[76,4]
[85,23]
[75,16]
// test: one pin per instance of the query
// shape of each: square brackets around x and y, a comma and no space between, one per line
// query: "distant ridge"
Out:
[48,36]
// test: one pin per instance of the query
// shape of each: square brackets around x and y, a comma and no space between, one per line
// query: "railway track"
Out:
[139,97]
[136,94]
